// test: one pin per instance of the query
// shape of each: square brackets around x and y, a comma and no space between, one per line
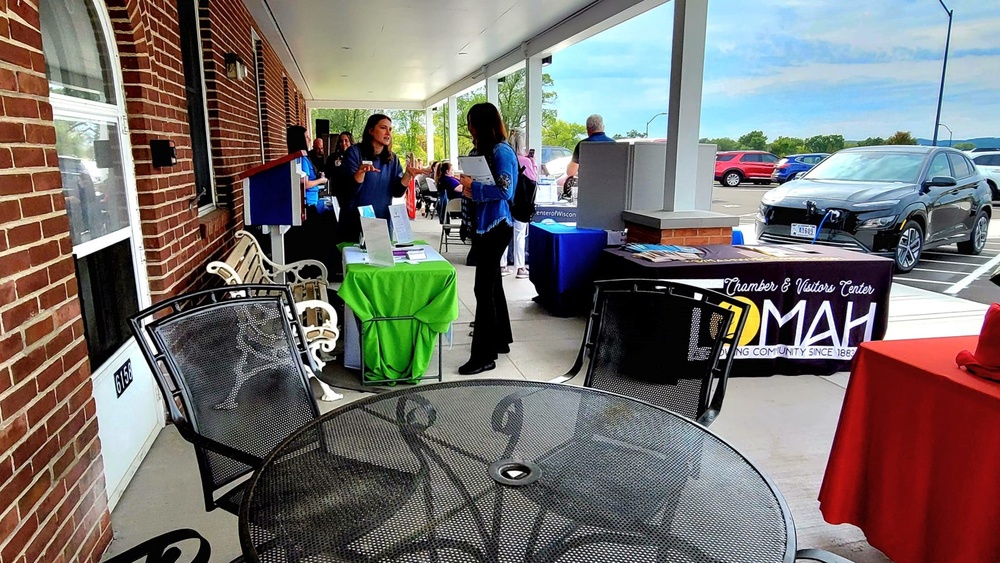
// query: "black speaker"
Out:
[322,127]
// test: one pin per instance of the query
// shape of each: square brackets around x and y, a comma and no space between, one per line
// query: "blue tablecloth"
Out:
[563,263]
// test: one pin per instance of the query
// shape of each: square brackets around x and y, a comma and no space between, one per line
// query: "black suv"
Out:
[892,200]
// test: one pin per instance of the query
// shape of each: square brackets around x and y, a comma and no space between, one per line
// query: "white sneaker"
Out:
[505,271]
[521,274]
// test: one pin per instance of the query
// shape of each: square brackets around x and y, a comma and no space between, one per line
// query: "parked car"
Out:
[891,200]
[554,160]
[988,164]
[788,167]
[734,167]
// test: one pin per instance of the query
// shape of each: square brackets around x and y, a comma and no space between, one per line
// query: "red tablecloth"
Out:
[916,459]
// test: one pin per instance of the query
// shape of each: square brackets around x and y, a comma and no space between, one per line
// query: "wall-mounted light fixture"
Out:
[546,61]
[235,69]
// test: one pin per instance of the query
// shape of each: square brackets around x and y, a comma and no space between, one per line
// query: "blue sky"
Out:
[799,68]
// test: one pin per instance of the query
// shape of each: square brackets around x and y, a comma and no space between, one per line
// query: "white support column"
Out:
[429,132]
[533,90]
[493,90]
[453,130]
[687,67]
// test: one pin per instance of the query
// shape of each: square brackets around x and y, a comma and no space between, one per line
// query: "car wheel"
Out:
[977,238]
[732,179]
[909,247]
[994,191]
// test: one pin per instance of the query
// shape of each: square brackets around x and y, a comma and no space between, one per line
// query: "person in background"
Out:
[317,155]
[448,188]
[370,174]
[344,141]
[519,144]
[595,134]
[307,240]
[492,234]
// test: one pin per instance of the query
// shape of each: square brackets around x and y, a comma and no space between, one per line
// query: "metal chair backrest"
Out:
[453,210]
[230,365]
[663,343]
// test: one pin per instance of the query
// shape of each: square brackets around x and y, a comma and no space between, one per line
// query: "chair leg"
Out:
[328,393]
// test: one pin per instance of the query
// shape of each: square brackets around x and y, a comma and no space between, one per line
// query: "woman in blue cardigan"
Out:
[494,227]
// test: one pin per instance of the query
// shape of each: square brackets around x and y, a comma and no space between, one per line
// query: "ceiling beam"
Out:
[587,22]
[363,104]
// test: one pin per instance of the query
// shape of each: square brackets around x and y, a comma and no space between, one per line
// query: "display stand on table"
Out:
[273,199]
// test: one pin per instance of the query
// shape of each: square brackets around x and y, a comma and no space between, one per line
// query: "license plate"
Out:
[802,230]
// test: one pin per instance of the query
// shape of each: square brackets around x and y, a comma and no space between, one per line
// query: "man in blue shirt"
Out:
[595,134]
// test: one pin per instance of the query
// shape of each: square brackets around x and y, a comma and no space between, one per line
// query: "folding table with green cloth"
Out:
[402,310]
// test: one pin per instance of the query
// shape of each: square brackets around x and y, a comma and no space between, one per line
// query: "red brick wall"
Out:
[178,243]
[713,235]
[53,504]
[52,499]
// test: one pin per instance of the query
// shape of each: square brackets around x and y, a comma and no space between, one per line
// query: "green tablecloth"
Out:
[427,292]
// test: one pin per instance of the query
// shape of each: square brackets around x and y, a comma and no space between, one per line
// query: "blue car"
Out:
[788,167]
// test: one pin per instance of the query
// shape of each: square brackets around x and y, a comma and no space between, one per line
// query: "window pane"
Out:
[90,163]
[939,167]
[724,157]
[107,297]
[75,53]
[960,165]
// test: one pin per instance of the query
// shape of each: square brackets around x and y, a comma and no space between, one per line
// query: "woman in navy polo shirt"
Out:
[371,174]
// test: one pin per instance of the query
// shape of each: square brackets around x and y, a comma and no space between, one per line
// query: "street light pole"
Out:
[651,120]
[944,69]
[949,132]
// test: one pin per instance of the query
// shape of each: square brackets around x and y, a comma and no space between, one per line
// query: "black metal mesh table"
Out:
[491,470]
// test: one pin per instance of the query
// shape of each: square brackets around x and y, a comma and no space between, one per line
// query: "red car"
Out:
[734,167]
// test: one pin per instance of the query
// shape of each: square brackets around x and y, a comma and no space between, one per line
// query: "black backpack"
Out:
[522,208]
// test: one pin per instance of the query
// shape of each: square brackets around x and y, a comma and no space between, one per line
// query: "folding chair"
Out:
[230,363]
[451,231]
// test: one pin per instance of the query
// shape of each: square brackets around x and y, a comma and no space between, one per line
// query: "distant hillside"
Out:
[979,141]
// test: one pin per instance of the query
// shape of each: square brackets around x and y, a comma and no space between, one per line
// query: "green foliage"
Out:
[754,140]
[872,142]
[825,143]
[631,134]
[901,138]
[563,133]
[723,143]
[408,132]
[965,146]
[784,146]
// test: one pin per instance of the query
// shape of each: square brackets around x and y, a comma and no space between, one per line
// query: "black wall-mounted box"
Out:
[163,152]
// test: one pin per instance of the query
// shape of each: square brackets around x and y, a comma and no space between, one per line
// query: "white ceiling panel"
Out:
[409,50]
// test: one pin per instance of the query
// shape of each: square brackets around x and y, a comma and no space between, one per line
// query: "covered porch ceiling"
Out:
[412,54]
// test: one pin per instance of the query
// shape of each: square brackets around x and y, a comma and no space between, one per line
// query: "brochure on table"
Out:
[400,224]
[355,255]
[377,242]
[477,167]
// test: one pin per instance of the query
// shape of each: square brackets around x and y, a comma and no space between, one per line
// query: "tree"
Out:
[871,142]
[825,143]
[632,134]
[784,146]
[723,143]
[901,138]
[754,140]
[965,146]
[563,133]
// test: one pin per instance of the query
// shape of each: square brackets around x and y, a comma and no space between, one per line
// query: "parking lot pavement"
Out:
[944,270]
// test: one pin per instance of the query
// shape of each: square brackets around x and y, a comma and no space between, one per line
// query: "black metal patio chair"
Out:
[666,343]
[230,364]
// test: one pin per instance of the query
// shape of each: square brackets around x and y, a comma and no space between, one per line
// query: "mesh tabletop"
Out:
[489,470]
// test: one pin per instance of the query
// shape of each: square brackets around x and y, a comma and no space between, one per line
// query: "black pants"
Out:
[492,334]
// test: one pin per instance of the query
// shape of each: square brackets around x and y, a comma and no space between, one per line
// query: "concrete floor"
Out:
[785,424]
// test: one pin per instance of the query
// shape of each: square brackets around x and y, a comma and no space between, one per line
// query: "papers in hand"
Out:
[477,167]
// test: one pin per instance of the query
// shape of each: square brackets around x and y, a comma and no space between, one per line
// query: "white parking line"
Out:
[964,282]
[922,260]
[952,272]
[951,255]
[914,280]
